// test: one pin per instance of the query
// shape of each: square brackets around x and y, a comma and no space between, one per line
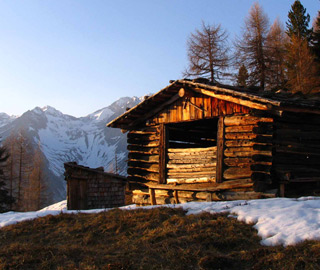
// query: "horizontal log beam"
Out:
[232,184]
[247,103]
[190,180]
[191,166]
[247,128]
[187,161]
[190,150]
[245,120]
[237,173]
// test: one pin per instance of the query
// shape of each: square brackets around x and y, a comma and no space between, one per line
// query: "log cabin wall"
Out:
[246,143]
[143,157]
[248,149]
[144,142]
[297,149]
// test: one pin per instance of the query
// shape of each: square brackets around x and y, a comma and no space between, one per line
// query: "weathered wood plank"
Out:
[240,136]
[191,155]
[244,152]
[246,128]
[191,166]
[244,162]
[238,162]
[154,111]
[190,180]
[245,120]
[188,150]
[248,103]
[237,173]
[239,143]
[187,160]
[144,158]
[191,174]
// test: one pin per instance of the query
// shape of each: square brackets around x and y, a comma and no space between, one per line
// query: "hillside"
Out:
[63,138]
[161,238]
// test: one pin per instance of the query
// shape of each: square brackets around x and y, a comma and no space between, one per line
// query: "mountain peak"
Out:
[50,110]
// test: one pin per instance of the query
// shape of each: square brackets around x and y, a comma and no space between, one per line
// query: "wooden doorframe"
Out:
[220,150]
[163,145]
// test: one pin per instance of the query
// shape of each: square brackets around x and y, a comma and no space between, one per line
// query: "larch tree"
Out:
[18,166]
[302,69]
[275,50]
[5,199]
[208,53]
[250,48]
[35,191]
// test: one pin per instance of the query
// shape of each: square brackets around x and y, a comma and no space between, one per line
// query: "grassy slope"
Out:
[163,238]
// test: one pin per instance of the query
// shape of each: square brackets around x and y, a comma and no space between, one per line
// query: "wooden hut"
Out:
[93,188]
[198,141]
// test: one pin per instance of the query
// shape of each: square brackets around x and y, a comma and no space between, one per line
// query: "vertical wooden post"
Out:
[152,196]
[163,154]
[209,197]
[220,150]
[282,189]
[176,197]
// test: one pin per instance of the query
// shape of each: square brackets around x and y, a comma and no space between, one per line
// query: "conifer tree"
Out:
[315,41]
[5,199]
[11,165]
[302,69]
[250,47]
[208,53]
[298,21]
[242,76]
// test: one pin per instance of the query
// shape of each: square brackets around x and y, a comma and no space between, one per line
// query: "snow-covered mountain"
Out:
[65,138]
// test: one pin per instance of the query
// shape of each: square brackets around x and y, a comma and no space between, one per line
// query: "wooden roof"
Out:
[100,170]
[267,101]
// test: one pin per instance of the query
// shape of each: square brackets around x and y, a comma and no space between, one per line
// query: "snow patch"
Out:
[279,221]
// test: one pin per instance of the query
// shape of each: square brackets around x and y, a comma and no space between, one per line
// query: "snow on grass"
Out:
[279,221]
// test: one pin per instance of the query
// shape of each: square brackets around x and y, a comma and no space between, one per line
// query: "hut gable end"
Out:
[194,106]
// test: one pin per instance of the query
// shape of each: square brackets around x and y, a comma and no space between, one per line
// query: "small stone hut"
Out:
[199,141]
[93,188]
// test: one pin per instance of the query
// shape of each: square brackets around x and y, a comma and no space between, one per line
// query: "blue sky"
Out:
[79,56]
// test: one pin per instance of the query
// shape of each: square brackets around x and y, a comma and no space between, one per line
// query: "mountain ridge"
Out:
[64,138]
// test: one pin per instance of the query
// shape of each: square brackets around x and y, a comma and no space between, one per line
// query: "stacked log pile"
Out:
[297,147]
[191,165]
[248,149]
[143,146]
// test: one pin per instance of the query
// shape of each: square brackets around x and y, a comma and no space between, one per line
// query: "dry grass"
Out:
[162,238]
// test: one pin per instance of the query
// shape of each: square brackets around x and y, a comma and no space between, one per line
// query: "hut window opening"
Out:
[192,151]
